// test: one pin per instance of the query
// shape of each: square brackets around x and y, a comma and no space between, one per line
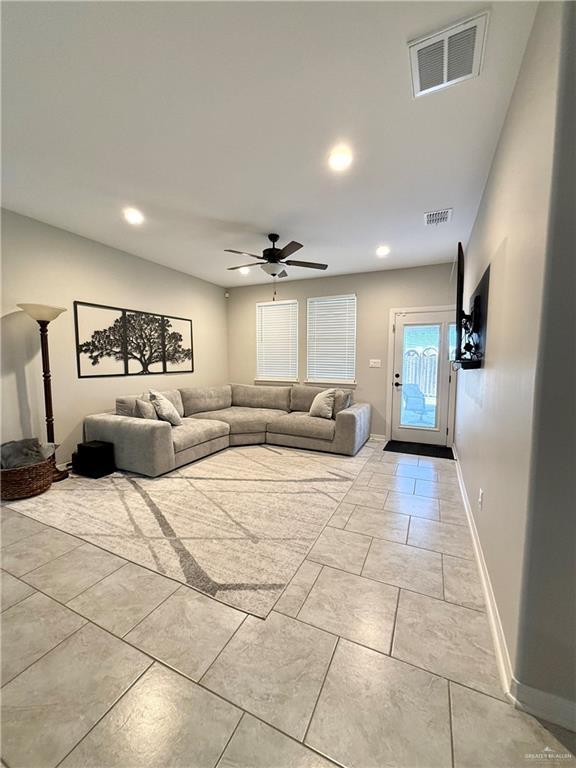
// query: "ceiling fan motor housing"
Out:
[271,254]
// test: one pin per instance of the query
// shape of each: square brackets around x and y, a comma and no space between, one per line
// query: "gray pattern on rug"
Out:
[235,526]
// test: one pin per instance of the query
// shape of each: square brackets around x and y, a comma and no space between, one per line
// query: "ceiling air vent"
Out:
[448,57]
[438,217]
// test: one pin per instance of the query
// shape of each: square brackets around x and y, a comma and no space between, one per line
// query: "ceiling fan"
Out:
[275,259]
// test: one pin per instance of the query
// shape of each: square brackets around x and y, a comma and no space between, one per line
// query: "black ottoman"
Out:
[94,459]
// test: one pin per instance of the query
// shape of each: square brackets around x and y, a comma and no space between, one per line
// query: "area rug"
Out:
[236,525]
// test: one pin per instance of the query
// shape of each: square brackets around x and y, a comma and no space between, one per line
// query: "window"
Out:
[277,340]
[332,339]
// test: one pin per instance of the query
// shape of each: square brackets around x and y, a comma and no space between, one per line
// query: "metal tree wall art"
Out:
[122,342]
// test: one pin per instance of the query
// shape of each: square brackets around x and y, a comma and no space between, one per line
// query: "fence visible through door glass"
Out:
[420,354]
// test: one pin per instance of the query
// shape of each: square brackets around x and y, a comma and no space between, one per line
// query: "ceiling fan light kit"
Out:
[274,269]
[276,259]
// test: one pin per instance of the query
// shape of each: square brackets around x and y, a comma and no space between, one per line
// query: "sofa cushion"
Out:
[303,425]
[126,406]
[243,420]
[199,399]
[301,398]
[256,396]
[197,431]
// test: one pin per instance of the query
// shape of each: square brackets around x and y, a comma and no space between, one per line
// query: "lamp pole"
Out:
[46,376]
[43,315]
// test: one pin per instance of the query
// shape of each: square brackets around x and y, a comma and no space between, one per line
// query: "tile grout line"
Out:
[4,684]
[25,573]
[116,701]
[450,723]
[53,560]
[21,600]
[366,558]
[309,592]
[320,690]
[411,514]
[393,635]
[350,640]
[415,546]
[151,612]
[390,584]
[221,755]
[209,667]
[125,563]
[27,535]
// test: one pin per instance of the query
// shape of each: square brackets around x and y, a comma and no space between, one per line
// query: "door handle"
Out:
[396,384]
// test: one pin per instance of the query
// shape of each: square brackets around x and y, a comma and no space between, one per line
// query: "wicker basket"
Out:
[23,482]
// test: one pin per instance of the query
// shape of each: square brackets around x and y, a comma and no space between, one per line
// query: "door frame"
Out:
[390,367]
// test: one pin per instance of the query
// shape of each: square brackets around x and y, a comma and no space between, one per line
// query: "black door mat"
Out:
[420,449]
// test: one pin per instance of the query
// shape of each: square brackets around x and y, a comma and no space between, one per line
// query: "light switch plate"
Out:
[375,363]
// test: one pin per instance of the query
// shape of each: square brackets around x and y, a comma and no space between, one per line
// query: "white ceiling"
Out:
[215,120]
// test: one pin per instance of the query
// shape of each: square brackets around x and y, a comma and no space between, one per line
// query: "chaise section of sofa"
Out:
[214,418]
[345,434]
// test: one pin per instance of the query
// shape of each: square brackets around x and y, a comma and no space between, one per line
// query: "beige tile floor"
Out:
[377,655]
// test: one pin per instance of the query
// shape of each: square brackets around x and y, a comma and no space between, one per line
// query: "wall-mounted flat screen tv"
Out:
[471,327]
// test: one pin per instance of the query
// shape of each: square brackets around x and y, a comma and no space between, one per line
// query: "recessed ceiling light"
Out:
[340,158]
[133,216]
[244,270]
[382,251]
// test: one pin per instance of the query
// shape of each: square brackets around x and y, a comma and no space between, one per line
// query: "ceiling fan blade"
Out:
[310,264]
[282,274]
[242,253]
[289,249]
[242,265]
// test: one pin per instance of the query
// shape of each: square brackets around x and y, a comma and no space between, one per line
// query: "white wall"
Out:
[45,265]
[495,427]
[547,638]
[377,293]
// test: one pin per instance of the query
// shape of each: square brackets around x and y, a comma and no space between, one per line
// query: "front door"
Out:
[423,384]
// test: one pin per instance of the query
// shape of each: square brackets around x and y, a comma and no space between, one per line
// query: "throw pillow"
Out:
[145,410]
[164,409]
[342,399]
[323,404]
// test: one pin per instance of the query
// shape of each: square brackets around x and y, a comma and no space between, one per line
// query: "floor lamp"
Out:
[43,315]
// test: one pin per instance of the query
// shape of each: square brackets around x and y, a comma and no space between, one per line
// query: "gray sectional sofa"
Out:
[214,418]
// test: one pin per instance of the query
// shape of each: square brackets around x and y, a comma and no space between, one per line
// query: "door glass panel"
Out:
[420,376]
[451,341]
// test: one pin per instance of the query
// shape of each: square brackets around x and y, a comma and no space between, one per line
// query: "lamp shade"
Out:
[42,312]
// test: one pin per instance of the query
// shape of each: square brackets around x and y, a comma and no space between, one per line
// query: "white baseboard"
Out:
[502,655]
[532,700]
[380,438]
[542,704]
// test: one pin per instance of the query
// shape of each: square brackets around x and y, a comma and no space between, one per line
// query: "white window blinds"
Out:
[332,339]
[277,340]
